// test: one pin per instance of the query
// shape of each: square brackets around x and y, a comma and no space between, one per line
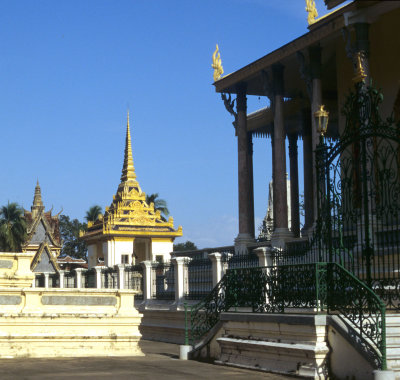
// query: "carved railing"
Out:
[313,287]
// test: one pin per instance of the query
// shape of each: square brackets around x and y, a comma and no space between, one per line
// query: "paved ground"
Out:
[161,362]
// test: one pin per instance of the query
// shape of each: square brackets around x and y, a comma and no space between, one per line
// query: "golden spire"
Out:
[37,200]
[128,170]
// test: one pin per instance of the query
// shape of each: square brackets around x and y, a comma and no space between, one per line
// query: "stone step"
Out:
[292,359]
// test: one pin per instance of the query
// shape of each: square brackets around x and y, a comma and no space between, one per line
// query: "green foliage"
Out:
[187,246]
[93,213]
[69,231]
[159,204]
[12,228]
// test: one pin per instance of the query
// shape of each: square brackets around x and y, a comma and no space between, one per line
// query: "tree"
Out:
[187,246]
[69,231]
[159,204]
[12,227]
[93,213]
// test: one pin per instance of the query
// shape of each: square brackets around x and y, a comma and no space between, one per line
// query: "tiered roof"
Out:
[129,215]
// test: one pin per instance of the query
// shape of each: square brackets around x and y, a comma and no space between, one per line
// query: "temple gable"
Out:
[44,260]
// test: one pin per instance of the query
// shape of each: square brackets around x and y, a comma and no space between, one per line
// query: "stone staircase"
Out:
[292,345]
[393,342]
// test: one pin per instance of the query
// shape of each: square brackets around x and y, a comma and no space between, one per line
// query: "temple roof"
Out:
[41,226]
[128,214]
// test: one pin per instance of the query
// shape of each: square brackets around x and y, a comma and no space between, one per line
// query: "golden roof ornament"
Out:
[128,170]
[217,65]
[360,72]
[312,11]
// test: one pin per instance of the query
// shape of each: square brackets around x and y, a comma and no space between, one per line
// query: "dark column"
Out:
[316,101]
[244,174]
[308,173]
[294,186]
[279,162]
[251,182]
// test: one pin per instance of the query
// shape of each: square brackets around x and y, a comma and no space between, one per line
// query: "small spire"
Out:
[128,170]
[37,199]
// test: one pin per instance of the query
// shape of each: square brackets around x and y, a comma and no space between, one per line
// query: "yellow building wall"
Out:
[68,322]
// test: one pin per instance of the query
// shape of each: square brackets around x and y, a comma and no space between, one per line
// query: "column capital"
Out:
[80,270]
[265,258]
[146,264]
[215,256]
[178,260]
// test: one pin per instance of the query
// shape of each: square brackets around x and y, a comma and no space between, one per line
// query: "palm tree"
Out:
[159,204]
[93,213]
[12,227]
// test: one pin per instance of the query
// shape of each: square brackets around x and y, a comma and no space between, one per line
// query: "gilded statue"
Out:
[312,11]
[217,65]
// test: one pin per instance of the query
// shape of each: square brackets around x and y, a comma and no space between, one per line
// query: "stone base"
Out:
[242,241]
[280,236]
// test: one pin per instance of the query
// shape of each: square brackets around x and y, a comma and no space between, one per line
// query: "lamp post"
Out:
[321,118]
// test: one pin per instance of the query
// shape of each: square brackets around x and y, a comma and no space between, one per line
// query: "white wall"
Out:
[114,251]
[162,248]
[92,255]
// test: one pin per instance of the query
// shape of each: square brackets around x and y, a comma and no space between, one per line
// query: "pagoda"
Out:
[43,236]
[130,230]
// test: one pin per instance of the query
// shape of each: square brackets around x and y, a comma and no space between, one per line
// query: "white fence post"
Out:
[61,274]
[146,280]
[121,276]
[78,277]
[46,279]
[98,276]
[217,271]
[178,263]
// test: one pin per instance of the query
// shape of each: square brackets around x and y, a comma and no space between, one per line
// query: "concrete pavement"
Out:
[160,362]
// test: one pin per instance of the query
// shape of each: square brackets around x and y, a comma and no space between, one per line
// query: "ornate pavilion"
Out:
[315,69]
[130,230]
[43,239]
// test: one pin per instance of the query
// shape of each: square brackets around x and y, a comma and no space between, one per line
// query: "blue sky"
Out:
[69,70]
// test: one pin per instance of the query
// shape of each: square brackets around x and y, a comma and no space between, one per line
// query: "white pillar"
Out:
[217,271]
[178,263]
[265,258]
[146,280]
[121,276]
[78,277]
[61,273]
[98,276]
[46,279]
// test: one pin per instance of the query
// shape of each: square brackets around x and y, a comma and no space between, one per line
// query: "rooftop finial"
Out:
[312,11]
[128,170]
[217,64]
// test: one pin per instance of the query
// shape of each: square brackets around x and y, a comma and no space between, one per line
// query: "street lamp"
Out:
[321,118]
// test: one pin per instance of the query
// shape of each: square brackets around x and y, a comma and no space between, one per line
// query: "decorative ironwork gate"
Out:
[358,189]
